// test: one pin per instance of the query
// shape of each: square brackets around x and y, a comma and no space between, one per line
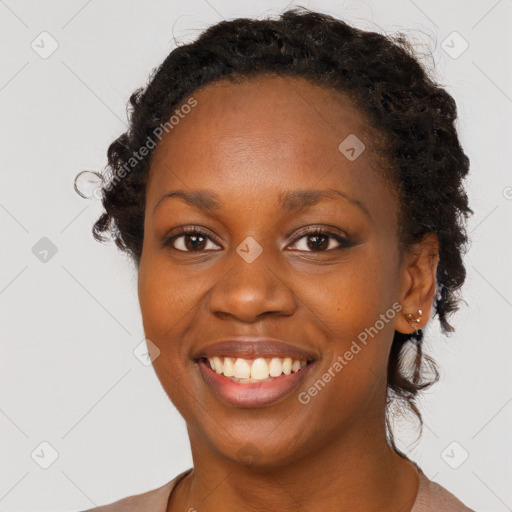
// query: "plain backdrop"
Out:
[73,396]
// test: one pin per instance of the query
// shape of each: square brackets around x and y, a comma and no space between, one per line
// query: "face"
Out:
[251,147]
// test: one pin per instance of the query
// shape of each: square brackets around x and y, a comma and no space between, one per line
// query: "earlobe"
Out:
[409,323]
[414,320]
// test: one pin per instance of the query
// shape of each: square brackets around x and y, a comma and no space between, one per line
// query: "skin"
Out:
[248,143]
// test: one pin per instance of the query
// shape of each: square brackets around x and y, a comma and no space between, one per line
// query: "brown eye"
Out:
[319,240]
[190,240]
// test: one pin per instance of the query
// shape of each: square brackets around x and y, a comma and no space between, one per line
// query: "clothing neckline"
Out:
[174,483]
[418,501]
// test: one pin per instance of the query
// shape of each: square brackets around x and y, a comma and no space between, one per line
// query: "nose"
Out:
[248,291]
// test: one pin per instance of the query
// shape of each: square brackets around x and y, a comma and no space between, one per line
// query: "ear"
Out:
[418,286]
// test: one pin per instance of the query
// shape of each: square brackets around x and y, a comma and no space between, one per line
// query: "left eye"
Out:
[321,241]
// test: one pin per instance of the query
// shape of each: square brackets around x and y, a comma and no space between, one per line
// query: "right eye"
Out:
[189,239]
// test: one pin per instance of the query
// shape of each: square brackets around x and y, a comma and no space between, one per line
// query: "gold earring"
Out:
[414,319]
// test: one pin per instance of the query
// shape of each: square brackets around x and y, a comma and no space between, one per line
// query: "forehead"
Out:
[262,136]
[289,117]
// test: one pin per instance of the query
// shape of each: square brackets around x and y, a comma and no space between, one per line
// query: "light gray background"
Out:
[69,325]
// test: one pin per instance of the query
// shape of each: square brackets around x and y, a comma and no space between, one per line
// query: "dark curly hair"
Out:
[412,116]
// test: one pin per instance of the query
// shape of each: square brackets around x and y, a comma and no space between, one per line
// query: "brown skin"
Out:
[248,142]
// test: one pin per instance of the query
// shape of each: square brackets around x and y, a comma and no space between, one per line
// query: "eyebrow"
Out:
[290,201]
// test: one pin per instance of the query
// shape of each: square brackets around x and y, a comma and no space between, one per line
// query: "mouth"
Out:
[255,382]
[260,369]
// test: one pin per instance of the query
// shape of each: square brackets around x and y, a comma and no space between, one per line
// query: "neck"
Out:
[356,469]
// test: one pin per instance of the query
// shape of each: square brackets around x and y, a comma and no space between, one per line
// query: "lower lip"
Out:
[255,394]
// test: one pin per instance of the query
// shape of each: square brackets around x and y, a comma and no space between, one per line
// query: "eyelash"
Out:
[344,242]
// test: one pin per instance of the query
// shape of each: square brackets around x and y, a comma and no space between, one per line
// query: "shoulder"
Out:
[151,501]
[433,497]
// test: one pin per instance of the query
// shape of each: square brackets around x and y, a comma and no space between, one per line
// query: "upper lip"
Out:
[251,348]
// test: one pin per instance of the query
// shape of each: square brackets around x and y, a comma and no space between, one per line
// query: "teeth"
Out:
[242,369]
[217,364]
[259,369]
[275,367]
[229,367]
[287,366]
[253,370]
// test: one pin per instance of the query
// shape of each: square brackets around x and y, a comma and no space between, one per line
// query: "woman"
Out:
[290,191]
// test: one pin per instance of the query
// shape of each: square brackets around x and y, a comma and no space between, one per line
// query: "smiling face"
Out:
[251,150]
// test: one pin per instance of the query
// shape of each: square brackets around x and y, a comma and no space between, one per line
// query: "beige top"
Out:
[431,497]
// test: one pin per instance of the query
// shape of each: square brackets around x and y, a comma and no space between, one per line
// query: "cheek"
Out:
[352,378]
[354,308]
[350,297]
[166,297]
[165,301]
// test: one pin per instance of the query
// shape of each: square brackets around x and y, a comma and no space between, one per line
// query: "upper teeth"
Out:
[258,369]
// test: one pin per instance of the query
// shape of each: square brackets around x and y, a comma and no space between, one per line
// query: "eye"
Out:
[195,239]
[189,239]
[321,240]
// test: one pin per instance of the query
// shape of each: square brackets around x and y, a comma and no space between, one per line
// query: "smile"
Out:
[253,382]
[253,370]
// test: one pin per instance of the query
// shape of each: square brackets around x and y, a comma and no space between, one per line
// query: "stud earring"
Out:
[414,319]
